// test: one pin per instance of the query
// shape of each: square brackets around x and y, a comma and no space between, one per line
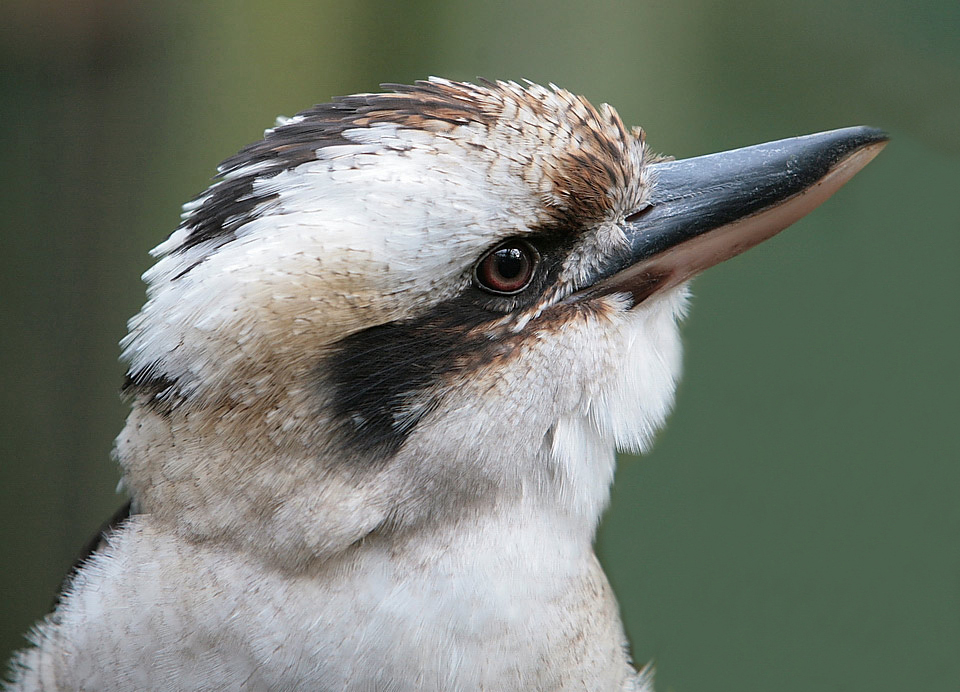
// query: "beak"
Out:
[708,209]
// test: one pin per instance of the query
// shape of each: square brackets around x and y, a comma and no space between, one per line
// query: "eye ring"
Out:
[508,268]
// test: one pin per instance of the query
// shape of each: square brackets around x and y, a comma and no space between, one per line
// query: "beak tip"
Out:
[838,145]
[854,148]
[868,135]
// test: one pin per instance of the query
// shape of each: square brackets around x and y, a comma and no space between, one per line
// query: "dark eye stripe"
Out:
[377,373]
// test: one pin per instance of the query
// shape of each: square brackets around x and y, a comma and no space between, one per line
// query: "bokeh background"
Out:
[796,526]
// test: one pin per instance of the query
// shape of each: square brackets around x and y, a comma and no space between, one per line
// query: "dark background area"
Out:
[796,526]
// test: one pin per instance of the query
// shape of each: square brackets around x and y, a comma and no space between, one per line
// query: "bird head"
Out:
[402,307]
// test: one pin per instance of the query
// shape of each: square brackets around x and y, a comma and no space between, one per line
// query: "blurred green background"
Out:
[796,526]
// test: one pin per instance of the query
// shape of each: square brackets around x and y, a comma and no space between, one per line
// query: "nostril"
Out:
[637,215]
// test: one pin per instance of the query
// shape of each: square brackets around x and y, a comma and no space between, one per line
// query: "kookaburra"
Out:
[377,387]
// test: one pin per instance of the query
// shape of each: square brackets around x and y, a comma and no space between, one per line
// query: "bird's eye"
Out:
[508,268]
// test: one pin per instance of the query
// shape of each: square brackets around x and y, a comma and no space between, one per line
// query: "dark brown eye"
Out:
[508,268]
